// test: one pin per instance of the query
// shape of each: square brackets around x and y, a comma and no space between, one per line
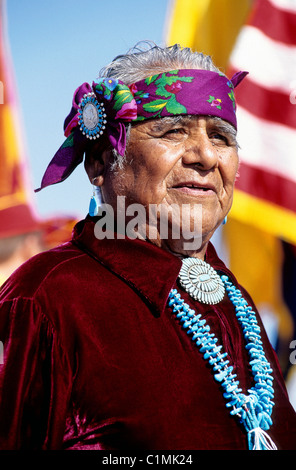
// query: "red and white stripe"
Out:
[266,48]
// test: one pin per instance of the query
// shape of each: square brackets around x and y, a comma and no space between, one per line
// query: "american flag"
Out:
[266,188]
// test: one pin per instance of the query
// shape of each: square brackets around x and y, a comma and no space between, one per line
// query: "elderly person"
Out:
[131,338]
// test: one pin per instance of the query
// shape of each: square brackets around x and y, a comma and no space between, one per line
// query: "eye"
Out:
[176,131]
[217,137]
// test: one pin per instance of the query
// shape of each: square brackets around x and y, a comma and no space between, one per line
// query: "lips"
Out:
[194,186]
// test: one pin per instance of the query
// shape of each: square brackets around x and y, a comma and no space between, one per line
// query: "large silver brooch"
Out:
[91,117]
[201,281]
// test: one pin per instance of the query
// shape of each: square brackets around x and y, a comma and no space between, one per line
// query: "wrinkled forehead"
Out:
[220,124]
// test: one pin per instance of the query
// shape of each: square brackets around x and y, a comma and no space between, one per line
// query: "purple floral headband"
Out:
[108,104]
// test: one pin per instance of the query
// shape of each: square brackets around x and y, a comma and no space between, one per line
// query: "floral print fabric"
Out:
[186,91]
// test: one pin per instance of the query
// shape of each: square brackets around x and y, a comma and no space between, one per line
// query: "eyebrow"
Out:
[160,123]
[184,119]
[227,129]
[222,126]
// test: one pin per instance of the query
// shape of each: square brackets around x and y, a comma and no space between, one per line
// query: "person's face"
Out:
[186,161]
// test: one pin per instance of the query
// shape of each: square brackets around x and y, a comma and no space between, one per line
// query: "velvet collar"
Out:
[148,269]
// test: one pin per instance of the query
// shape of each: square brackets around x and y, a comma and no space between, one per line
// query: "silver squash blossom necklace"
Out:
[253,409]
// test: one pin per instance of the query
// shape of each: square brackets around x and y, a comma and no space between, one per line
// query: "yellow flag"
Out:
[256,258]
[13,171]
[17,211]
[208,26]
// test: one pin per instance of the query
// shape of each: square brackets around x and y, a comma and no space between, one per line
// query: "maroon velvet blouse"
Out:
[94,358]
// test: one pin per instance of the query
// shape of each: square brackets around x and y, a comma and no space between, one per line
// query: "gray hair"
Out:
[147,59]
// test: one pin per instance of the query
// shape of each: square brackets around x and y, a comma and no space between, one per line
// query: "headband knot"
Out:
[107,105]
[108,97]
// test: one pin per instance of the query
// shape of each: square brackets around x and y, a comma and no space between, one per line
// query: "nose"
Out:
[200,151]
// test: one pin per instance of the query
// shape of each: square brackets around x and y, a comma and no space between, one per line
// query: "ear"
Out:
[96,165]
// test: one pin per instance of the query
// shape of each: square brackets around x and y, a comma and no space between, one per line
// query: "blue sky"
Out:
[56,45]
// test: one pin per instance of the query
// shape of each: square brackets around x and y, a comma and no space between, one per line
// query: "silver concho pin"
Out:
[201,281]
[91,116]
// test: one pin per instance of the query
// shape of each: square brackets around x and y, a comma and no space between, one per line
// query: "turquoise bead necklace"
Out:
[255,408]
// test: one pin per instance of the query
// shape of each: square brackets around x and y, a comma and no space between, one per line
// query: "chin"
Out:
[183,248]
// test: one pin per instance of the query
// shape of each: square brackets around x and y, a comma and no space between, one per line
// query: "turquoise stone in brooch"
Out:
[91,116]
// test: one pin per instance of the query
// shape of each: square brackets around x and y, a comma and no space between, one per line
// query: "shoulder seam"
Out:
[54,268]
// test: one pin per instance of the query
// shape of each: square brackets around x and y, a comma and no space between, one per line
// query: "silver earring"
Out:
[93,205]
[224,221]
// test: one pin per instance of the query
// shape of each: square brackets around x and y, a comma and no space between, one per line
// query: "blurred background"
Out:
[47,49]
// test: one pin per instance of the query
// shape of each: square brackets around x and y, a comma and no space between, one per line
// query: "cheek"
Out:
[153,166]
[229,168]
